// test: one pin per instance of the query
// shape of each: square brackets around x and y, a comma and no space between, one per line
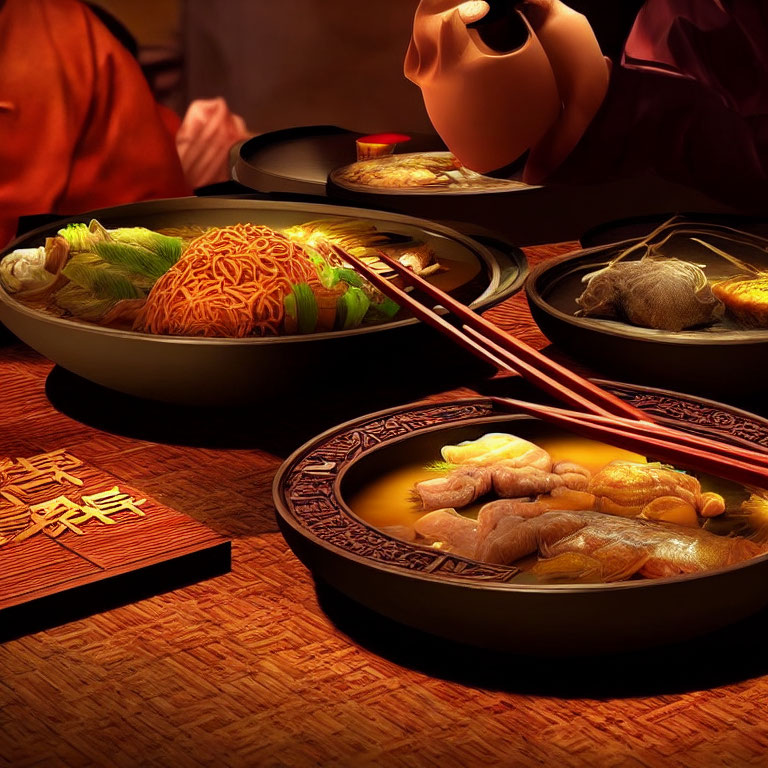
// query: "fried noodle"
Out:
[231,281]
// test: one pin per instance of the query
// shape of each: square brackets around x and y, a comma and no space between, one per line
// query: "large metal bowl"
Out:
[470,602]
[202,371]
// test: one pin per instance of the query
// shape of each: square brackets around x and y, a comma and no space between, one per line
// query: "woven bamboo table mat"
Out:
[261,667]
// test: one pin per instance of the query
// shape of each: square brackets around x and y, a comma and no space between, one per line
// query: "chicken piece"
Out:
[510,478]
[622,546]
[625,488]
[510,539]
[619,559]
[510,529]
[671,549]
[456,489]
[511,481]
[493,511]
[478,461]
[446,527]
[574,475]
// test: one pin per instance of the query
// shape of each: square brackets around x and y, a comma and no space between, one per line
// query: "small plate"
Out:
[723,359]
[451,181]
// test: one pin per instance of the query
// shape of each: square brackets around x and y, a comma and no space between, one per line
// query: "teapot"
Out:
[501,78]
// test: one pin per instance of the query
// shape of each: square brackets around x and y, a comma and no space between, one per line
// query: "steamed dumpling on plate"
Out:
[663,293]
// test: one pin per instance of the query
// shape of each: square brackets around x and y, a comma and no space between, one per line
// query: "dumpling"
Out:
[666,294]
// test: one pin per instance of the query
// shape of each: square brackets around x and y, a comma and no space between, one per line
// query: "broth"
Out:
[388,500]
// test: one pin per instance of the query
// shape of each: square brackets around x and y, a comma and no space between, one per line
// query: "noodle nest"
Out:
[231,281]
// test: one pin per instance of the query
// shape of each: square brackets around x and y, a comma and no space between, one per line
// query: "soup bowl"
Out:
[483,604]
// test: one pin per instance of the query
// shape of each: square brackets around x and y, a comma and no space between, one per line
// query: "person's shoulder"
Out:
[69,9]
[72,20]
[64,20]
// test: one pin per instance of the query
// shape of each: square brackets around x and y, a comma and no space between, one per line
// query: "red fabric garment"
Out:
[689,103]
[79,127]
[722,44]
[677,129]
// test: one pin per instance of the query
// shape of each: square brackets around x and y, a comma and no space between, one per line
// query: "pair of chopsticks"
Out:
[598,414]
[490,343]
[664,443]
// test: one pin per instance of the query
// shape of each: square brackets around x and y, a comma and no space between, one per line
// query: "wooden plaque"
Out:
[75,540]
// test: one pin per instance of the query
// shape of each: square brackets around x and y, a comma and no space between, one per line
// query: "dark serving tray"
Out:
[722,359]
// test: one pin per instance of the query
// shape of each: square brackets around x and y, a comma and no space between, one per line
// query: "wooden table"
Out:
[264,667]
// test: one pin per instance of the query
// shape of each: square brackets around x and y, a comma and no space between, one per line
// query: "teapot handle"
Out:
[581,73]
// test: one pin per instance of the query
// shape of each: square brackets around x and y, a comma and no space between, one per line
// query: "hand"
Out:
[206,136]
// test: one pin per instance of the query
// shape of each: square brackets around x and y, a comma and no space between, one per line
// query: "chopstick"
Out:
[667,450]
[651,435]
[595,420]
[736,453]
[528,362]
